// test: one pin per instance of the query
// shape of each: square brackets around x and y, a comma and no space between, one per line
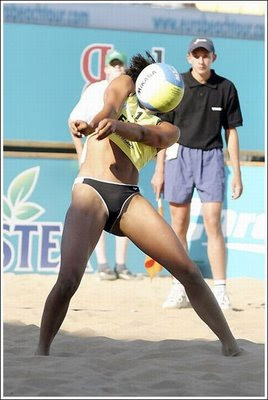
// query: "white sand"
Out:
[117,341]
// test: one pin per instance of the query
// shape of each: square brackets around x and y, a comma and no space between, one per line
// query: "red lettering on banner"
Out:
[100,50]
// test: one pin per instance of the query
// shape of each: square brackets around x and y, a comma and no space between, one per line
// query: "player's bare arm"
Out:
[160,136]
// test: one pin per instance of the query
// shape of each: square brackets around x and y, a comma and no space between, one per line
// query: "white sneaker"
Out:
[222,298]
[177,297]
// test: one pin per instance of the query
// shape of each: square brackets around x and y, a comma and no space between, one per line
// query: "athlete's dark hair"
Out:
[137,64]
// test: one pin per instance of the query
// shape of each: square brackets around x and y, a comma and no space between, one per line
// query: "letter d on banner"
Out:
[86,64]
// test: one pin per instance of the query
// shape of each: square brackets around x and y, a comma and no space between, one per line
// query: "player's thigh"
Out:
[152,234]
[83,226]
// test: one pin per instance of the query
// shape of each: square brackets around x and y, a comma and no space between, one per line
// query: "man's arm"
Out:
[158,177]
[232,142]
[81,111]
[77,141]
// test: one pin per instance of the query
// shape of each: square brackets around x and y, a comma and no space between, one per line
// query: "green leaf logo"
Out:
[22,186]
[16,206]
[7,209]
[28,211]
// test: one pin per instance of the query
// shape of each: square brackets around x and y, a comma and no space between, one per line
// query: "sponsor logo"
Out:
[243,231]
[148,76]
[29,246]
[216,108]
[200,40]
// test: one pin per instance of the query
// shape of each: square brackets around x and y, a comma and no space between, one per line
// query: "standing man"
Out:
[210,103]
[90,103]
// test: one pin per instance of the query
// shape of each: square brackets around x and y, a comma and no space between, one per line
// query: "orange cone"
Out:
[153,267]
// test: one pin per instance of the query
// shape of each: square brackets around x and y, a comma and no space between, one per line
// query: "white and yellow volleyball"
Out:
[159,87]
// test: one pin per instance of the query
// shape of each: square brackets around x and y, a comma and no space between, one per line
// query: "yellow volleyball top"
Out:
[138,153]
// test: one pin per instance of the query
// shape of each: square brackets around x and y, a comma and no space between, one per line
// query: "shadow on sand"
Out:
[93,366]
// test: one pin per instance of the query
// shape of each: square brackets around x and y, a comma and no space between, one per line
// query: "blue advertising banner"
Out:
[47,63]
[46,67]
[37,193]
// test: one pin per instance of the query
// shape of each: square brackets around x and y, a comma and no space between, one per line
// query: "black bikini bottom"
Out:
[114,196]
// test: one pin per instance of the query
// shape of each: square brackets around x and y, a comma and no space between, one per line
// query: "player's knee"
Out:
[67,287]
[190,275]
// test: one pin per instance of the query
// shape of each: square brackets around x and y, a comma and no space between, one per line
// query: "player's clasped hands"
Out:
[105,128]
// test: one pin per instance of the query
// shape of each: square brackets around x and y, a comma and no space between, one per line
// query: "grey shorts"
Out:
[195,168]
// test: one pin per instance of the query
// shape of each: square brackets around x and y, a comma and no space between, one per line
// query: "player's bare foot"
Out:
[40,352]
[232,350]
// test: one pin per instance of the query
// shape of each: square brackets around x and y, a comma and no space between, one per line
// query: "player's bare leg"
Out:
[154,236]
[83,226]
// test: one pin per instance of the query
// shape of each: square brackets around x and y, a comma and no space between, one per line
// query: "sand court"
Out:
[116,340]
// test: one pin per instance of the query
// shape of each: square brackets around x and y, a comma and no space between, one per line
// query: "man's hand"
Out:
[237,188]
[157,183]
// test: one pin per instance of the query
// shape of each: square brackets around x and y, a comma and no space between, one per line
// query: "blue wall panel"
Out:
[37,193]
[43,81]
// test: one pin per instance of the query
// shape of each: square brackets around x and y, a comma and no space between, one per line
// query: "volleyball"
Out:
[159,87]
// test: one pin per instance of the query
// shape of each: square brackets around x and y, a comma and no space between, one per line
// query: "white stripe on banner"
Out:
[250,247]
[138,18]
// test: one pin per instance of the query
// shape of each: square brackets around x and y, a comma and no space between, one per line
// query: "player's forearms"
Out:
[150,135]
[108,111]
[130,131]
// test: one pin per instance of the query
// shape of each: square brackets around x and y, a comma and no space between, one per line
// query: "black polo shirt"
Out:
[204,110]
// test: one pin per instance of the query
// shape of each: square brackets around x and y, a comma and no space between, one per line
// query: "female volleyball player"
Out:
[105,196]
